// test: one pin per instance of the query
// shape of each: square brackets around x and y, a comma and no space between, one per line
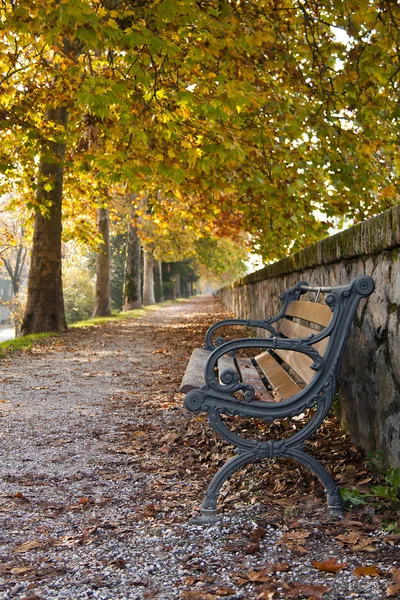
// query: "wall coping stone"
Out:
[368,237]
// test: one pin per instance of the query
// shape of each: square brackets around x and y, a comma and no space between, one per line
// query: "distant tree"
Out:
[13,255]
[148,277]
[102,306]
[158,282]
[132,288]
[118,245]
[178,278]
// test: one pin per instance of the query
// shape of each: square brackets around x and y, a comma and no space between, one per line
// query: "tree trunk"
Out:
[176,290]
[148,278]
[15,267]
[132,283]
[158,282]
[102,306]
[45,305]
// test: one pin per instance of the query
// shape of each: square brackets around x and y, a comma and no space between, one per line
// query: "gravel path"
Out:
[101,469]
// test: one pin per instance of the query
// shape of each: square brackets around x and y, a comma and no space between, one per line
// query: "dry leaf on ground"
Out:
[28,546]
[299,590]
[329,566]
[294,540]
[198,595]
[367,572]
[393,591]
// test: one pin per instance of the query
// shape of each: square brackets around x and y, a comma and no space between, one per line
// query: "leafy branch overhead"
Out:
[269,118]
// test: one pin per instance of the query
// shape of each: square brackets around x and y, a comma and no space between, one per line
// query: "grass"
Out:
[26,341]
[120,316]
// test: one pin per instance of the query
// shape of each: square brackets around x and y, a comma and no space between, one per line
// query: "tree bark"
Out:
[102,306]
[45,305]
[148,278]
[158,282]
[132,279]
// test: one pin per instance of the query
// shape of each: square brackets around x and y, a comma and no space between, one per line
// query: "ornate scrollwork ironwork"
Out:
[194,401]
[229,377]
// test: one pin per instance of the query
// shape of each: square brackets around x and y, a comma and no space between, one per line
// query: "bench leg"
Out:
[252,451]
[335,501]
[209,507]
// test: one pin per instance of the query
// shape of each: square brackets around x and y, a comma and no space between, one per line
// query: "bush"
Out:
[79,294]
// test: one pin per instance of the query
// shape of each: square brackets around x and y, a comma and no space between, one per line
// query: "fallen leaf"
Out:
[20,570]
[192,579]
[299,590]
[348,538]
[261,576]
[170,437]
[395,574]
[294,540]
[366,571]
[357,541]
[223,591]
[19,495]
[197,595]
[392,539]
[27,546]
[393,591]
[329,566]
[266,596]
[252,548]
[257,534]
[290,501]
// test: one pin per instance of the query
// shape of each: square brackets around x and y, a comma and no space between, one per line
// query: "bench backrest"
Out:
[289,371]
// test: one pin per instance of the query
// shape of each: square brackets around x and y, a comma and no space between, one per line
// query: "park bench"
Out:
[295,369]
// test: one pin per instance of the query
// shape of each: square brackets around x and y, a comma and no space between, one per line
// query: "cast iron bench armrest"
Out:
[264,324]
[275,343]
[286,297]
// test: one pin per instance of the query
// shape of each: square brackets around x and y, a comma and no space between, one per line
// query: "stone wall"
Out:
[369,383]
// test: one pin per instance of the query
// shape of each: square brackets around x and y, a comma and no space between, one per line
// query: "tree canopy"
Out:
[263,118]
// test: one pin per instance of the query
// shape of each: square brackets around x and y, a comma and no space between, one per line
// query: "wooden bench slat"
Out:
[194,374]
[250,375]
[291,329]
[314,312]
[280,380]
[300,363]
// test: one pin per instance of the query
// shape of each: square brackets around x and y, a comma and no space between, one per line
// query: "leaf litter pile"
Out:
[102,469]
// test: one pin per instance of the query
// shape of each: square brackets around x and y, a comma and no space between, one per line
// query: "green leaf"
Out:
[353,497]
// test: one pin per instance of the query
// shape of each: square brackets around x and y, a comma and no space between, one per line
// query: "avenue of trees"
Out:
[199,128]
